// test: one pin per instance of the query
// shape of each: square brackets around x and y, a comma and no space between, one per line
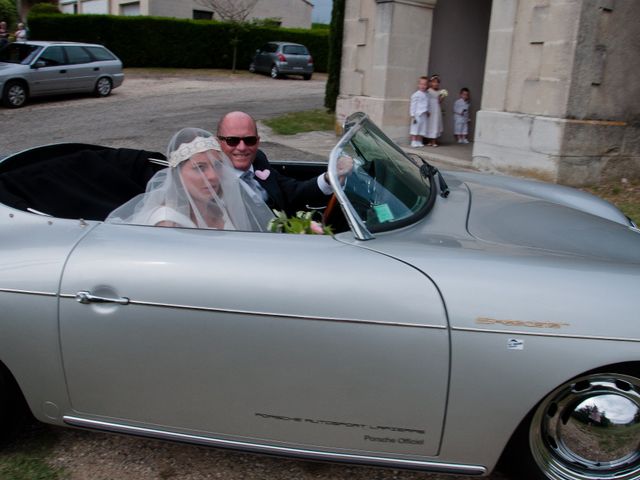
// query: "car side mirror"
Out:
[39,64]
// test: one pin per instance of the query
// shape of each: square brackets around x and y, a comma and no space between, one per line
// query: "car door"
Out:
[49,73]
[259,338]
[82,70]
[264,58]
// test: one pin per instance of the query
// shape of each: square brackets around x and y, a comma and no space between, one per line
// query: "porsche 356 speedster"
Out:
[452,320]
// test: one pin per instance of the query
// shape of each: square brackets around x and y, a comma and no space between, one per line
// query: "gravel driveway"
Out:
[99,456]
[151,106]
[144,113]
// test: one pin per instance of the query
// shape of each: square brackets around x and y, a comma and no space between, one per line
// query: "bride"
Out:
[200,189]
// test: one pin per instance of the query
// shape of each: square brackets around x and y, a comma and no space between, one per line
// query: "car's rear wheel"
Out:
[588,428]
[103,87]
[275,73]
[307,76]
[14,95]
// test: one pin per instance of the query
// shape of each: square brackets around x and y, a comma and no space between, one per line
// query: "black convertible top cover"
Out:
[68,182]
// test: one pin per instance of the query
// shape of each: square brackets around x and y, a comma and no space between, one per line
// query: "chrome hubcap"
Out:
[16,95]
[104,86]
[589,429]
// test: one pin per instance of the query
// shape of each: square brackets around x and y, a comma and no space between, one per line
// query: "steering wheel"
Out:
[330,210]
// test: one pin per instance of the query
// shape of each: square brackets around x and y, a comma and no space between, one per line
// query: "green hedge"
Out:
[168,42]
[334,62]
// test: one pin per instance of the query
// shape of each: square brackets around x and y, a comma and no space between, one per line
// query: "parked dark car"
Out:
[282,58]
[30,69]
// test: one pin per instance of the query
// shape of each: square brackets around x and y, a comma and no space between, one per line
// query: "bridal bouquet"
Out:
[443,93]
[302,223]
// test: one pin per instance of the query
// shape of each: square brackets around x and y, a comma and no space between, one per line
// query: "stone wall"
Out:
[385,51]
[559,101]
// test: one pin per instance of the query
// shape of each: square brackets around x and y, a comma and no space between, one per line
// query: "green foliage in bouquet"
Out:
[302,223]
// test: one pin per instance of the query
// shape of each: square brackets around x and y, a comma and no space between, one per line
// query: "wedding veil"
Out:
[200,189]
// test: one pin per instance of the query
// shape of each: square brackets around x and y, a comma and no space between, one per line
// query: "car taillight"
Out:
[282,58]
[310,62]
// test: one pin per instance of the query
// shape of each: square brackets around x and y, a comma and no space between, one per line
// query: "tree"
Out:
[8,13]
[234,12]
[332,88]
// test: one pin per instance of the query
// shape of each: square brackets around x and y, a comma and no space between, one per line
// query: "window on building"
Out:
[130,9]
[202,15]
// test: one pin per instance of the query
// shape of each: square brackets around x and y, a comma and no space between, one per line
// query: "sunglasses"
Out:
[235,141]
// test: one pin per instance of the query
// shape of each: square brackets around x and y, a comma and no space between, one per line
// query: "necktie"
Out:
[249,178]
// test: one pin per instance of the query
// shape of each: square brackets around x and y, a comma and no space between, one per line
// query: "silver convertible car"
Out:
[453,321]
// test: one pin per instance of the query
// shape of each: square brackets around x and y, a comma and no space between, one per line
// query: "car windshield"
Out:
[18,53]
[386,188]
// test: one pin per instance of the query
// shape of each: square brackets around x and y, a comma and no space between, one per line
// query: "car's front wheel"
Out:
[588,428]
[14,95]
[103,87]
[252,67]
[275,73]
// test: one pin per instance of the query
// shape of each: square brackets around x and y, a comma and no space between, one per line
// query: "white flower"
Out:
[443,93]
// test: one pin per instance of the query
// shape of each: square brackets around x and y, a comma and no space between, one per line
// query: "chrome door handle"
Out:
[86,297]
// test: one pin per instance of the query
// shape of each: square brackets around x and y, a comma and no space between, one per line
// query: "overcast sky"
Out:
[321,11]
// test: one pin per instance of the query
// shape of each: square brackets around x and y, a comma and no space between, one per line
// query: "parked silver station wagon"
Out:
[282,58]
[31,69]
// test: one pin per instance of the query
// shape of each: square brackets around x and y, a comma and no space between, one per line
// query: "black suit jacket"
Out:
[286,193]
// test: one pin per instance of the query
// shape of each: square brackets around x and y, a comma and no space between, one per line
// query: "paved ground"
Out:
[450,156]
[152,105]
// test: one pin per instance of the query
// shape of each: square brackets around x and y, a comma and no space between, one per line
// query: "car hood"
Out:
[549,218]
[504,259]
[11,67]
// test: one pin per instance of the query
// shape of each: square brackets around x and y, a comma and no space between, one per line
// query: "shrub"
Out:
[167,42]
[8,13]
[40,8]
[332,89]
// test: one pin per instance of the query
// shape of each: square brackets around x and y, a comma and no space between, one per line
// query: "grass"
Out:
[297,122]
[624,194]
[26,458]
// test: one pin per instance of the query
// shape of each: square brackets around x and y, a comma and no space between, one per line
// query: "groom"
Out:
[239,140]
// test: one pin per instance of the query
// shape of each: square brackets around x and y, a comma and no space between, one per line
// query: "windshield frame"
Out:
[354,124]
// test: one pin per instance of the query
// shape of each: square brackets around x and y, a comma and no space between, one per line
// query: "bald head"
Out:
[235,118]
[241,125]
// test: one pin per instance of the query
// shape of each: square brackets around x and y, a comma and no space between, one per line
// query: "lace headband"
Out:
[187,150]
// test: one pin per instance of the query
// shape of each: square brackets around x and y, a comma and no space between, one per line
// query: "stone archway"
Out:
[389,44]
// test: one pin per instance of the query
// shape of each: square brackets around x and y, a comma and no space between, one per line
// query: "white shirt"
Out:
[419,103]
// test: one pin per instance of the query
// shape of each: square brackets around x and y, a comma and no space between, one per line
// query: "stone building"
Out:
[553,82]
[290,13]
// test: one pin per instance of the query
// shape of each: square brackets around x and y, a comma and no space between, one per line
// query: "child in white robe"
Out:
[461,116]
[434,123]
[419,112]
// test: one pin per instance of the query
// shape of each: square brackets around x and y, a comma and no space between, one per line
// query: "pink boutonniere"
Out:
[262,174]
